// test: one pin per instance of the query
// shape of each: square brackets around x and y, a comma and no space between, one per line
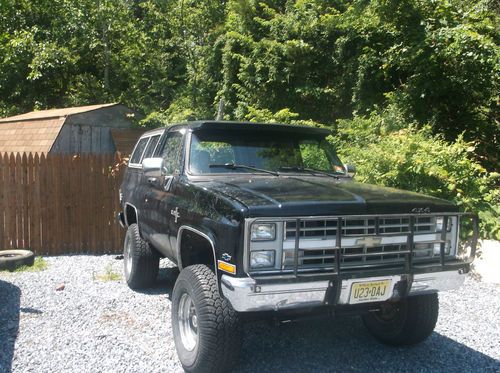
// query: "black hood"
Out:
[311,195]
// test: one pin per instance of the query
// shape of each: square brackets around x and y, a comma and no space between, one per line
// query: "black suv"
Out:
[264,220]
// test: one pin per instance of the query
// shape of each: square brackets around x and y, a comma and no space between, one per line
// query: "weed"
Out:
[109,274]
[39,265]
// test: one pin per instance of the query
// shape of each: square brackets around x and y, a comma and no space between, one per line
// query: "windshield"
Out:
[211,152]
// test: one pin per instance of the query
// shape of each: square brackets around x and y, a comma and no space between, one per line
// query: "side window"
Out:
[172,152]
[151,146]
[139,150]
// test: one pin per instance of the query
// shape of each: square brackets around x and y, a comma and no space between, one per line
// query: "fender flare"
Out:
[205,236]
[136,213]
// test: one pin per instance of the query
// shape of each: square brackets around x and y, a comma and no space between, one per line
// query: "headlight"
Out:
[263,232]
[262,259]
[439,224]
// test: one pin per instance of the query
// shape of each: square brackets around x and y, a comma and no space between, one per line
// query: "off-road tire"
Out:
[12,259]
[141,262]
[219,329]
[414,321]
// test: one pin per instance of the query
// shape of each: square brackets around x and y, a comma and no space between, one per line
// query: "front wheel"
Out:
[407,322]
[207,332]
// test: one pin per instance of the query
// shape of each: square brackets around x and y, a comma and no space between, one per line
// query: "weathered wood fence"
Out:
[60,204]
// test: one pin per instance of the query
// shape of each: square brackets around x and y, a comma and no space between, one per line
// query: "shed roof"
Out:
[54,113]
[29,136]
[37,131]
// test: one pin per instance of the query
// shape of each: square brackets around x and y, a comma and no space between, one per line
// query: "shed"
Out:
[104,128]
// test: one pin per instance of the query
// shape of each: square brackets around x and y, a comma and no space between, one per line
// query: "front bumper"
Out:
[246,294]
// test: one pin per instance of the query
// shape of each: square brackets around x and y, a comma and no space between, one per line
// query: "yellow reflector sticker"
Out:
[226,267]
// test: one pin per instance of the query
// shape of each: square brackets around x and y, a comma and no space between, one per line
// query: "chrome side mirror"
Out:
[153,167]
[350,170]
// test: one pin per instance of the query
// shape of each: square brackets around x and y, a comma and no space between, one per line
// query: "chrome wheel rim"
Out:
[128,256]
[188,322]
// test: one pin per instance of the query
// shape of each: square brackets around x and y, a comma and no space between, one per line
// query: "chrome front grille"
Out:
[354,226]
[359,256]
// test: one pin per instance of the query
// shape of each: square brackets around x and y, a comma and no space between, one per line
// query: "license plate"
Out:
[370,291]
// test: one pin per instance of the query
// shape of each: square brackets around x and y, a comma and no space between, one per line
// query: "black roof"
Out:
[231,125]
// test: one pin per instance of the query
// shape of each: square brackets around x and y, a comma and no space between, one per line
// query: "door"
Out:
[160,212]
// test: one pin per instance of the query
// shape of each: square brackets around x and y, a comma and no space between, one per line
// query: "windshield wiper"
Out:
[233,166]
[308,170]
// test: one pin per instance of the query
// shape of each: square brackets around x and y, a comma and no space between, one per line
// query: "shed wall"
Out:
[90,132]
[76,138]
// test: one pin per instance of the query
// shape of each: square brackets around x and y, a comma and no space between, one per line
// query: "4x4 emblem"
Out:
[368,241]
[175,213]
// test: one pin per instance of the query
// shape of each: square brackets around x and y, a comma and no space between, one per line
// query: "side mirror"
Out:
[350,170]
[153,167]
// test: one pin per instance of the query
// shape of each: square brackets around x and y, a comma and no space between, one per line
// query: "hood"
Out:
[311,195]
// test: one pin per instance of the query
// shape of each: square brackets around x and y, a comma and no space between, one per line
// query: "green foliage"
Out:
[419,76]
[266,116]
[437,61]
[415,159]
[281,116]
[155,119]
[58,53]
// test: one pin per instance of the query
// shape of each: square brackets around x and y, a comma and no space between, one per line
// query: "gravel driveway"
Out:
[98,325]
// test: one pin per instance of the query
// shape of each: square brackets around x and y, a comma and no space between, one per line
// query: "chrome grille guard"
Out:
[337,255]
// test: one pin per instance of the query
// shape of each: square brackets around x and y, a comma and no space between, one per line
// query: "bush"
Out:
[391,153]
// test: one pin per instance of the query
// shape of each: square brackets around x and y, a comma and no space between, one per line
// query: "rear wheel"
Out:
[407,322]
[141,262]
[206,328]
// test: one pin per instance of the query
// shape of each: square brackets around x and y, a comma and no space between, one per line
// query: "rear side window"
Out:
[139,150]
[151,146]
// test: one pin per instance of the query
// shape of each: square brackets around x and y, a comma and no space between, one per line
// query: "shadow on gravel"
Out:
[164,284]
[344,345]
[10,297]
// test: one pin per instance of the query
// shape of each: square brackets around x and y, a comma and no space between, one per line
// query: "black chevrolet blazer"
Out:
[264,219]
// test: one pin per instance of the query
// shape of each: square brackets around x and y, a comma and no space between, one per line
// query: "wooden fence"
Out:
[60,204]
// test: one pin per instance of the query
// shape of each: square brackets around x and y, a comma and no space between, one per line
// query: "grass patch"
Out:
[39,265]
[109,274]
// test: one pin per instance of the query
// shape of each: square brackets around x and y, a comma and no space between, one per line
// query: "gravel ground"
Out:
[95,325]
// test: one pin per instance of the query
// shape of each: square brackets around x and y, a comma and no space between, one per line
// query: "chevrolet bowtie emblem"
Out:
[368,241]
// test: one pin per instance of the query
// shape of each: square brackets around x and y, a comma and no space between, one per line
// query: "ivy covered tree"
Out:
[327,60]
